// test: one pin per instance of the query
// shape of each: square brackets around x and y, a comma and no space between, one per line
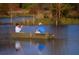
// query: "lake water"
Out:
[66,42]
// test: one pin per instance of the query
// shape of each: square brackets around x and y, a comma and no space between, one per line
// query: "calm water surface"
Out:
[66,42]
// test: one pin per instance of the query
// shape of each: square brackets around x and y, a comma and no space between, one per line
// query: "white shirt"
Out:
[17,29]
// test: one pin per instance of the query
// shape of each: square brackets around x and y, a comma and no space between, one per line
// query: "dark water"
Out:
[66,42]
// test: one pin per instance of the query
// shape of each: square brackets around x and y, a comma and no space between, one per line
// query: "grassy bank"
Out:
[68,21]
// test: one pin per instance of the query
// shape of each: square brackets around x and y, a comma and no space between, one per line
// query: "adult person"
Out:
[18,30]
[41,29]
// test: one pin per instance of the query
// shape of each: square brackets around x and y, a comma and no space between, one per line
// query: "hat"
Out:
[40,23]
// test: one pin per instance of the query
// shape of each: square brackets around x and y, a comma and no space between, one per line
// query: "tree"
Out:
[4,9]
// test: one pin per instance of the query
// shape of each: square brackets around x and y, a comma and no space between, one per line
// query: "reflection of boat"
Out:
[31,36]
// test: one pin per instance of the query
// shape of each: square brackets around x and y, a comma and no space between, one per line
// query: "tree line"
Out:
[58,9]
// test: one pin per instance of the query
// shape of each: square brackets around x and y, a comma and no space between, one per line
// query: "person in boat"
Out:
[41,29]
[18,29]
